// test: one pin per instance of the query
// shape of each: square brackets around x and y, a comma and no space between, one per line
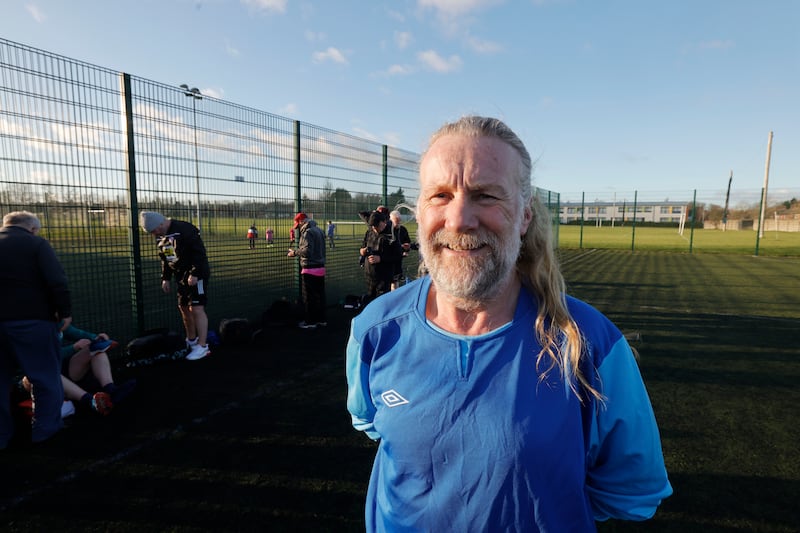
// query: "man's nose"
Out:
[461,214]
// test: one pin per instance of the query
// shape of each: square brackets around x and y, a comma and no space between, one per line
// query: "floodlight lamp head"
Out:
[193,92]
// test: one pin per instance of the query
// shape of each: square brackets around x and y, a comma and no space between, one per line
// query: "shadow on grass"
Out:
[257,438]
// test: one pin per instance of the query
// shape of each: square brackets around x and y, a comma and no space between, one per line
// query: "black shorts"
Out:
[193,295]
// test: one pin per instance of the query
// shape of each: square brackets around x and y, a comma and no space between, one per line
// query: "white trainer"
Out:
[198,352]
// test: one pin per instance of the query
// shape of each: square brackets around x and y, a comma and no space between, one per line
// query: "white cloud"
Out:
[457,8]
[213,93]
[402,39]
[331,54]
[35,12]
[275,6]
[396,15]
[483,47]
[392,138]
[437,63]
[364,134]
[455,17]
[314,36]
[231,50]
[399,70]
[288,109]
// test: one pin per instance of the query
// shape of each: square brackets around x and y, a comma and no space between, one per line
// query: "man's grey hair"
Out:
[477,126]
[537,264]
[24,219]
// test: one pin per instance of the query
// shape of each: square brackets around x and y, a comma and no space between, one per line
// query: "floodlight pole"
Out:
[764,190]
[194,94]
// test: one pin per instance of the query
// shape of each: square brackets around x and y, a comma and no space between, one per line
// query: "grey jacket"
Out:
[311,249]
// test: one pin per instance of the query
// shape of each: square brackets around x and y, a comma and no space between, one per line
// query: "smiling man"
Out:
[499,402]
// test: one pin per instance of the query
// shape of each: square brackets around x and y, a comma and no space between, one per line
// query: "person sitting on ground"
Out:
[81,353]
[99,402]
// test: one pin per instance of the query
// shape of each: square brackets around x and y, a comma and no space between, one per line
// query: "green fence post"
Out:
[633,224]
[694,216]
[135,263]
[385,175]
[583,210]
[758,232]
[556,214]
[298,195]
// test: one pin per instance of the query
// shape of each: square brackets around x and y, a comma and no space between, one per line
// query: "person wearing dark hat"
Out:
[380,253]
[389,228]
[183,256]
[311,252]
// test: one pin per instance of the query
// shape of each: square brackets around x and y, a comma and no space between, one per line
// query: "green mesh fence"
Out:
[88,148]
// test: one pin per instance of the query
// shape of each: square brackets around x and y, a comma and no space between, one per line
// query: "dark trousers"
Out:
[378,282]
[314,298]
[33,347]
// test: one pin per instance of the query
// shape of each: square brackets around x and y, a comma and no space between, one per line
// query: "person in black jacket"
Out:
[380,253]
[311,251]
[183,256]
[35,298]
[399,234]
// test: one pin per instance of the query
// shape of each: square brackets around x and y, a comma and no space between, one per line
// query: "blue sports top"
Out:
[472,438]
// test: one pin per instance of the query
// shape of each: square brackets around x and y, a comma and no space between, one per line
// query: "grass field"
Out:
[244,283]
[667,239]
[257,438]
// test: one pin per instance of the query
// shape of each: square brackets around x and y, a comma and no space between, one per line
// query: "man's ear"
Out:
[527,218]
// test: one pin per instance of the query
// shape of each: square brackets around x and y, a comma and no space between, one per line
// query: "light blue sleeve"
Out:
[359,400]
[626,478]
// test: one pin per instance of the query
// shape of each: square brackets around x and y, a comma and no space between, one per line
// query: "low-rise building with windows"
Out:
[666,212]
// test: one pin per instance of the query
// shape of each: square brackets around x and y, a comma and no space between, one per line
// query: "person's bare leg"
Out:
[200,320]
[71,390]
[101,368]
[188,321]
[79,365]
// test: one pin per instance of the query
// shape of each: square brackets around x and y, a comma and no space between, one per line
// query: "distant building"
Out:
[665,212]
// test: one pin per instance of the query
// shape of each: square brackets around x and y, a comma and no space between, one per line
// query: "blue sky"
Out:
[616,95]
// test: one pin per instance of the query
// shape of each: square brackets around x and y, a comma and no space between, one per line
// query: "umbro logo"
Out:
[392,398]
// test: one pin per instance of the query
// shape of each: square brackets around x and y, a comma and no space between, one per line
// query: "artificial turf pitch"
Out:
[257,438]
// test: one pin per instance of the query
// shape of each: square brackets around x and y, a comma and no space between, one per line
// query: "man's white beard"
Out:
[471,279]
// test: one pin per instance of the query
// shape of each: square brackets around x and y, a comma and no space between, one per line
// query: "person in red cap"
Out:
[311,251]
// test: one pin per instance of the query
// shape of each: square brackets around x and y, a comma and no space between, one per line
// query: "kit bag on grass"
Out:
[155,345]
[352,301]
[235,331]
[282,313]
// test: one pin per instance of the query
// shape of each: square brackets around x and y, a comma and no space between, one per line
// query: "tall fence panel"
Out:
[692,221]
[62,155]
[87,149]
